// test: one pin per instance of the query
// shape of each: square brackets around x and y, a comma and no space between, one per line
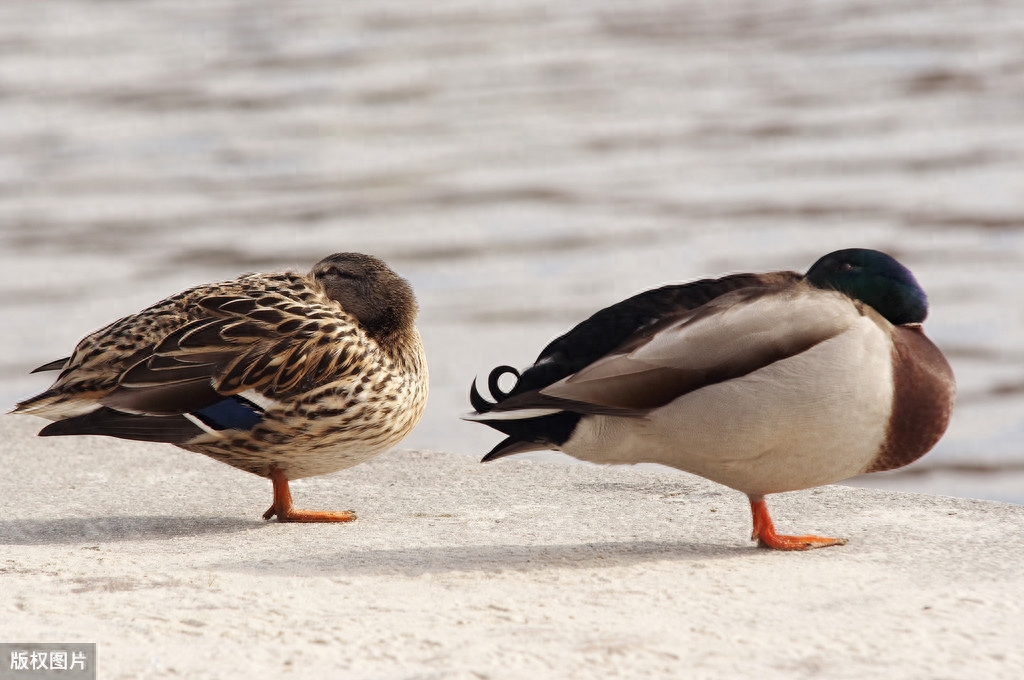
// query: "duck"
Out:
[764,383]
[282,375]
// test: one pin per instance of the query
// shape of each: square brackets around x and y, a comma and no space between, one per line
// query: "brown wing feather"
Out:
[729,337]
[278,351]
[274,333]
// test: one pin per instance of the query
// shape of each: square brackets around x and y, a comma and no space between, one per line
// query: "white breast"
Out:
[812,419]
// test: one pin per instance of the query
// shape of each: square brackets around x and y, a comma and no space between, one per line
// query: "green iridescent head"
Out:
[875,279]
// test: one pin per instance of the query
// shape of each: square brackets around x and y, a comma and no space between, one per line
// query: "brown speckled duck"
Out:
[281,375]
[762,382]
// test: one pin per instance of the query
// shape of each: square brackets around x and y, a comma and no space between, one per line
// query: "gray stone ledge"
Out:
[507,570]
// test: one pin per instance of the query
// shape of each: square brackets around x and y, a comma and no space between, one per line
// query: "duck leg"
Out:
[282,506]
[764,532]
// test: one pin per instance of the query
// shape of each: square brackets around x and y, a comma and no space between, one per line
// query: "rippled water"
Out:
[523,164]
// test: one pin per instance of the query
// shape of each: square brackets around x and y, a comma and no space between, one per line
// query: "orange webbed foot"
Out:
[293,515]
[786,542]
[283,510]
[764,533]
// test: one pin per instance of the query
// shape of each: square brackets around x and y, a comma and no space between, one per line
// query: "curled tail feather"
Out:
[499,395]
[535,429]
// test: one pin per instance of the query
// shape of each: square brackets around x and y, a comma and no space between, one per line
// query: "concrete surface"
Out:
[515,569]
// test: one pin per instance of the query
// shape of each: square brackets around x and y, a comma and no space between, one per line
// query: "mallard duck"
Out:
[761,382]
[281,375]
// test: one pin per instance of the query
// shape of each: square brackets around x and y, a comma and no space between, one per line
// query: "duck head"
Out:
[874,278]
[381,300]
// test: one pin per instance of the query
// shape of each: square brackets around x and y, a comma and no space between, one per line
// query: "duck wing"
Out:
[217,353]
[272,345]
[609,328]
[733,335]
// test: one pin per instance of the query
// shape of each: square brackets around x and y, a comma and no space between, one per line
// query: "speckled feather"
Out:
[335,394]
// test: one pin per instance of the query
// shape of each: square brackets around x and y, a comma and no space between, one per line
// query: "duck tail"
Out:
[55,405]
[511,445]
[480,403]
[57,365]
[535,427]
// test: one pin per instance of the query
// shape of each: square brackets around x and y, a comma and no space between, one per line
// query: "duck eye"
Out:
[340,273]
[846,267]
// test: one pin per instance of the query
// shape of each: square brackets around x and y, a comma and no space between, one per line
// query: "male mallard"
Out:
[761,382]
[282,375]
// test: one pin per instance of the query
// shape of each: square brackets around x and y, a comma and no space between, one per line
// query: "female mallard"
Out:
[282,375]
[761,382]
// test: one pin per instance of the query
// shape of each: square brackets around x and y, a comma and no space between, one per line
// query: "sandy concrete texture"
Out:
[514,569]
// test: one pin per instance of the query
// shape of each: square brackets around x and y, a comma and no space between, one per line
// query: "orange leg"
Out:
[282,506]
[764,532]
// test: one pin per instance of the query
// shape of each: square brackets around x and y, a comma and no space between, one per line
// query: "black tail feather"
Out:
[550,431]
[497,451]
[499,395]
[492,382]
[522,435]
[480,404]
[107,421]
[510,446]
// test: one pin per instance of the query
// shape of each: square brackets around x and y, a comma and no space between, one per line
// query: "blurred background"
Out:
[523,164]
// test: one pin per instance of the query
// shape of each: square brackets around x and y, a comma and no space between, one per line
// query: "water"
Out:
[523,164]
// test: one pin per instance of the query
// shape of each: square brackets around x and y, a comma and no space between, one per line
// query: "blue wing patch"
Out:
[233,413]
